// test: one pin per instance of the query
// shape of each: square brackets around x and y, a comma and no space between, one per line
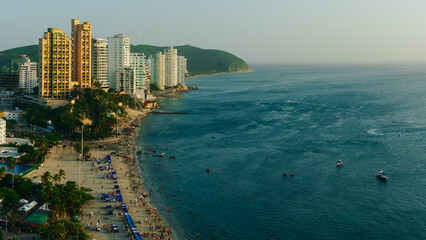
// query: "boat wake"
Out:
[374,132]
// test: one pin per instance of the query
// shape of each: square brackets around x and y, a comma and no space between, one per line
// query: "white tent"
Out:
[44,207]
[28,206]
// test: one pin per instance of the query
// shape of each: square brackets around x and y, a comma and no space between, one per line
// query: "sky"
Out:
[262,31]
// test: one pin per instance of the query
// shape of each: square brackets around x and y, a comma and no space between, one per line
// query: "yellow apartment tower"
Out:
[81,35]
[54,64]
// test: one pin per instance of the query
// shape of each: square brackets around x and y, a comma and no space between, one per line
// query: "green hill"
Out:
[11,54]
[199,61]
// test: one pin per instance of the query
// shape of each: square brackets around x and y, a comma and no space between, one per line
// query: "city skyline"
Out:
[274,31]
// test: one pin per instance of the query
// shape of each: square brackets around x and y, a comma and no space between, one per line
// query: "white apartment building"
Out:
[118,57]
[100,61]
[16,114]
[2,131]
[27,74]
[138,64]
[181,70]
[171,67]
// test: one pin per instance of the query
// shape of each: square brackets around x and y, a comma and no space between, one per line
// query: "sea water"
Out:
[249,129]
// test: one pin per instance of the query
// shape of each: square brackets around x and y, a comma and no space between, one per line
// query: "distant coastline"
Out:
[219,73]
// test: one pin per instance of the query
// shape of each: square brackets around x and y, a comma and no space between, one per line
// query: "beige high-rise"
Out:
[171,67]
[54,64]
[81,35]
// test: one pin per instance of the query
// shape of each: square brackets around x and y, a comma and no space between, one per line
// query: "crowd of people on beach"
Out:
[154,226]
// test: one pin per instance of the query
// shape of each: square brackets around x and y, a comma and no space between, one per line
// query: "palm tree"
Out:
[3,172]
[62,174]
[72,199]
[57,178]
[47,176]
[11,164]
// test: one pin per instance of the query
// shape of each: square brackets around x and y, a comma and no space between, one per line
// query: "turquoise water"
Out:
[296,119]
[18,168]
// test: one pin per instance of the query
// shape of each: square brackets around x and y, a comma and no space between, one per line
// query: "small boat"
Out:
[139,152]
[159,155]
[172,157]
[382,175]
[149,149]
[147,153]
[339,163]
[208,170]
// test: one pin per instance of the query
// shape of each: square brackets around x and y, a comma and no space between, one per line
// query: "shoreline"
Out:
[133,190]
[219,73]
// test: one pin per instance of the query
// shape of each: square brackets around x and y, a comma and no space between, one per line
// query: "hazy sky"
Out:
[257,31]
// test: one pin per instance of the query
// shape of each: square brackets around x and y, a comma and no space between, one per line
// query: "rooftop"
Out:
[6,152]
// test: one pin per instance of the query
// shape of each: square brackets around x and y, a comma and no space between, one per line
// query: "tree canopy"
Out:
[63,230]
[91,105]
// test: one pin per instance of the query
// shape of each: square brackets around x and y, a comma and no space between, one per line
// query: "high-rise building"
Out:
[27,74]
[171,67]
[181,69]
[100,61]
[126,81]
[54,64]
[81,34]
[9,81]
[138,64]
[118,57]
[158,70]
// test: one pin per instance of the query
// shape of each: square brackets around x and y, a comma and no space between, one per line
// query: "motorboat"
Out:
[339,163]
[159,155]
[382,175]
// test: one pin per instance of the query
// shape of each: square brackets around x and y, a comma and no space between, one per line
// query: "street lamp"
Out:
[116,115]
[6,223]
[82,130]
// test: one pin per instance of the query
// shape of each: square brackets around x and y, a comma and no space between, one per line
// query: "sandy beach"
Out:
[137,199]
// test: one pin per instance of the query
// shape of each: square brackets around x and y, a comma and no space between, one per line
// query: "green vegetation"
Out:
[199,61]
[22,188]
[77,148]
[64,200]
[10,198]
[31,155]
[154,87]
[92,106]
[10,124]
[36,154]
[5,60]
[64,229]
[2,172]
